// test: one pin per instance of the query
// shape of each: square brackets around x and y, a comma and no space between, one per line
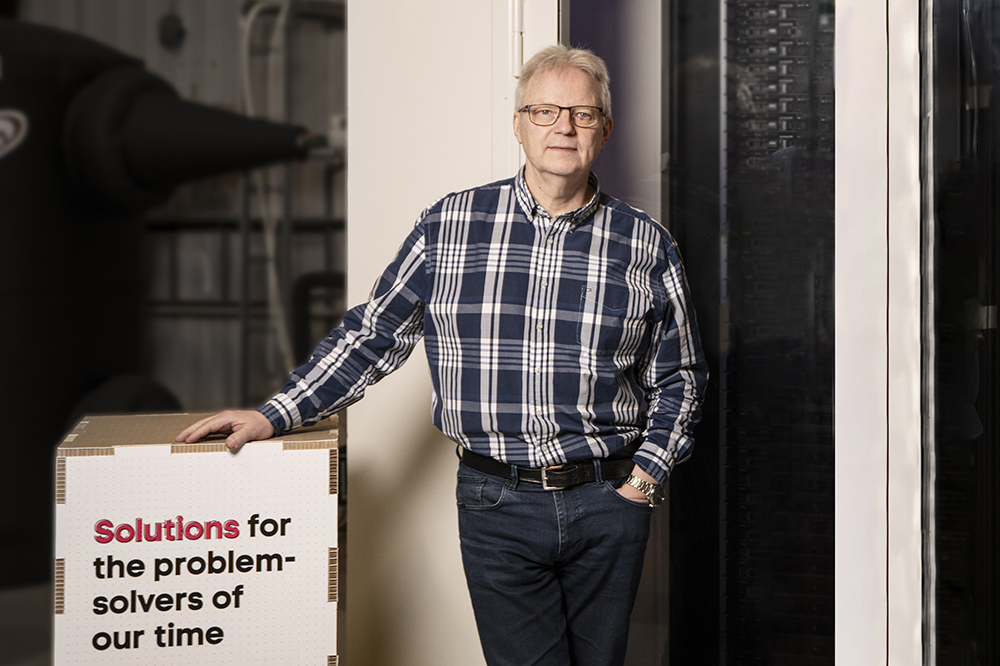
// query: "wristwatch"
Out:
[654,492]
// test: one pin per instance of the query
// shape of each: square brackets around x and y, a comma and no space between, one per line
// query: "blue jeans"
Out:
[552,574]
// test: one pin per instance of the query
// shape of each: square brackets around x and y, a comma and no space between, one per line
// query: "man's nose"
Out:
[564,123]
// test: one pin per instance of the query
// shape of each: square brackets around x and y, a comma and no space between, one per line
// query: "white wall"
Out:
[879,594]
[862,359]
[405,597]
[905,497]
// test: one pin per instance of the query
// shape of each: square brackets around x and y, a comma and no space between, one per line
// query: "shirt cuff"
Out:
[658,459]
[282,413]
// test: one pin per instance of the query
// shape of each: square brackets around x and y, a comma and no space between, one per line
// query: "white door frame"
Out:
[879,597]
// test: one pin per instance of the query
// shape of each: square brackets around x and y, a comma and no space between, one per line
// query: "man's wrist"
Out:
[641,485]
[640,473]
[270,411]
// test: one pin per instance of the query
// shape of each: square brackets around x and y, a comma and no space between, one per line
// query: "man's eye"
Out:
[584,115]
[543,112]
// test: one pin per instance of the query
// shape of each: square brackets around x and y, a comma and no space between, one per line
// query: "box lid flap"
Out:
[103,432]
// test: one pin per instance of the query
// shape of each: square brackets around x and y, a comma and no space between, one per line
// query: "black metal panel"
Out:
[966,246]
[772,324]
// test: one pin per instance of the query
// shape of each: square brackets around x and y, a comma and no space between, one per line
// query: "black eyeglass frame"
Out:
[600,110]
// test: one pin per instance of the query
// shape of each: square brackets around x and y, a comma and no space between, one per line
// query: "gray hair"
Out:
[557,57]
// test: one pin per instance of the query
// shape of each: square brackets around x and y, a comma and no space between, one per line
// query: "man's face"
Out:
[562,149]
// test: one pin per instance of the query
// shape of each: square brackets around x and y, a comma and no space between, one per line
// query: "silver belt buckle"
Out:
[545,478]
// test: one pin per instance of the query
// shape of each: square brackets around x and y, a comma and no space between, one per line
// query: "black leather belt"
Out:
[559,477]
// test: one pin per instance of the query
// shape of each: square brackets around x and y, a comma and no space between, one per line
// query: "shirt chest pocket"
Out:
[611,321]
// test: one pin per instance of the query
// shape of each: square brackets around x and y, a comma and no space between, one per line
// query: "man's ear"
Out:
[517,126]
[608,122]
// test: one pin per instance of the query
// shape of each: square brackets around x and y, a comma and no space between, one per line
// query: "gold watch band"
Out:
[654,492]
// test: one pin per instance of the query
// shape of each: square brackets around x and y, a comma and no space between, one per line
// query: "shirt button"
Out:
[538,371]
[545,283]
[550,241]
[538,412]
[539,326]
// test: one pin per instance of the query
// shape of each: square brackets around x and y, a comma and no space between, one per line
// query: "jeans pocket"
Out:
[480,492]
[612,489]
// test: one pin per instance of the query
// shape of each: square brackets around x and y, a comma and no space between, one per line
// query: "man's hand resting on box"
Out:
[241,426]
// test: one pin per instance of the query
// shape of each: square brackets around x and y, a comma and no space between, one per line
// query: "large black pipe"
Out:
[88,140]
[129,139]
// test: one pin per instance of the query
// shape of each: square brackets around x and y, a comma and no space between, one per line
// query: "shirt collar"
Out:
[575,217]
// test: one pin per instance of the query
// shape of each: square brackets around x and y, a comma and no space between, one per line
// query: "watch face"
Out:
[658,495]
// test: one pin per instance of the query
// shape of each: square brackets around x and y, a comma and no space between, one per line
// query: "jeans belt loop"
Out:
[513,477]
[597,472]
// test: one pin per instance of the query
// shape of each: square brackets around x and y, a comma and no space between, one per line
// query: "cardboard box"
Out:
[187,554]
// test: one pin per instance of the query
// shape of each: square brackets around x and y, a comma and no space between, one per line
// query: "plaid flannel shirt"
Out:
[549,340]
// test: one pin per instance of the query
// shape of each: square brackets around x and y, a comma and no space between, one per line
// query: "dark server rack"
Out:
[963,528]
[776,365]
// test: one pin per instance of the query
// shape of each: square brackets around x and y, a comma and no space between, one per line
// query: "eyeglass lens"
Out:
[547,114]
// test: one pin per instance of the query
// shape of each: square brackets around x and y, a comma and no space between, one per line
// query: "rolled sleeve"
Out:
[674,378]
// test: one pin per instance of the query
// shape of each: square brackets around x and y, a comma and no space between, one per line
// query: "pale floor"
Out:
[26,625]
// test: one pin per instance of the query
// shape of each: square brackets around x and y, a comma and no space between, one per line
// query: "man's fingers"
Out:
[206,426]
[241,426]
[254,427]
[236,441]
[195,431]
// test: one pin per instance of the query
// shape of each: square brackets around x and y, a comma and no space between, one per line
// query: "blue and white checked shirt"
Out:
[549,340]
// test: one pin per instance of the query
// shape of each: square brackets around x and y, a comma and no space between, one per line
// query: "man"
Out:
[566,364]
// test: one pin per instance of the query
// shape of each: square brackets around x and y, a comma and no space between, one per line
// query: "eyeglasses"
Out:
[544,115]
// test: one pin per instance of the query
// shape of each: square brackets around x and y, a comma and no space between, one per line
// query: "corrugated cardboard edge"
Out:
[310,445]
[331,660]
[332,585]
[93,451]
[60,586]
[60,480]
[199,447]
[220,447]
[334,470]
